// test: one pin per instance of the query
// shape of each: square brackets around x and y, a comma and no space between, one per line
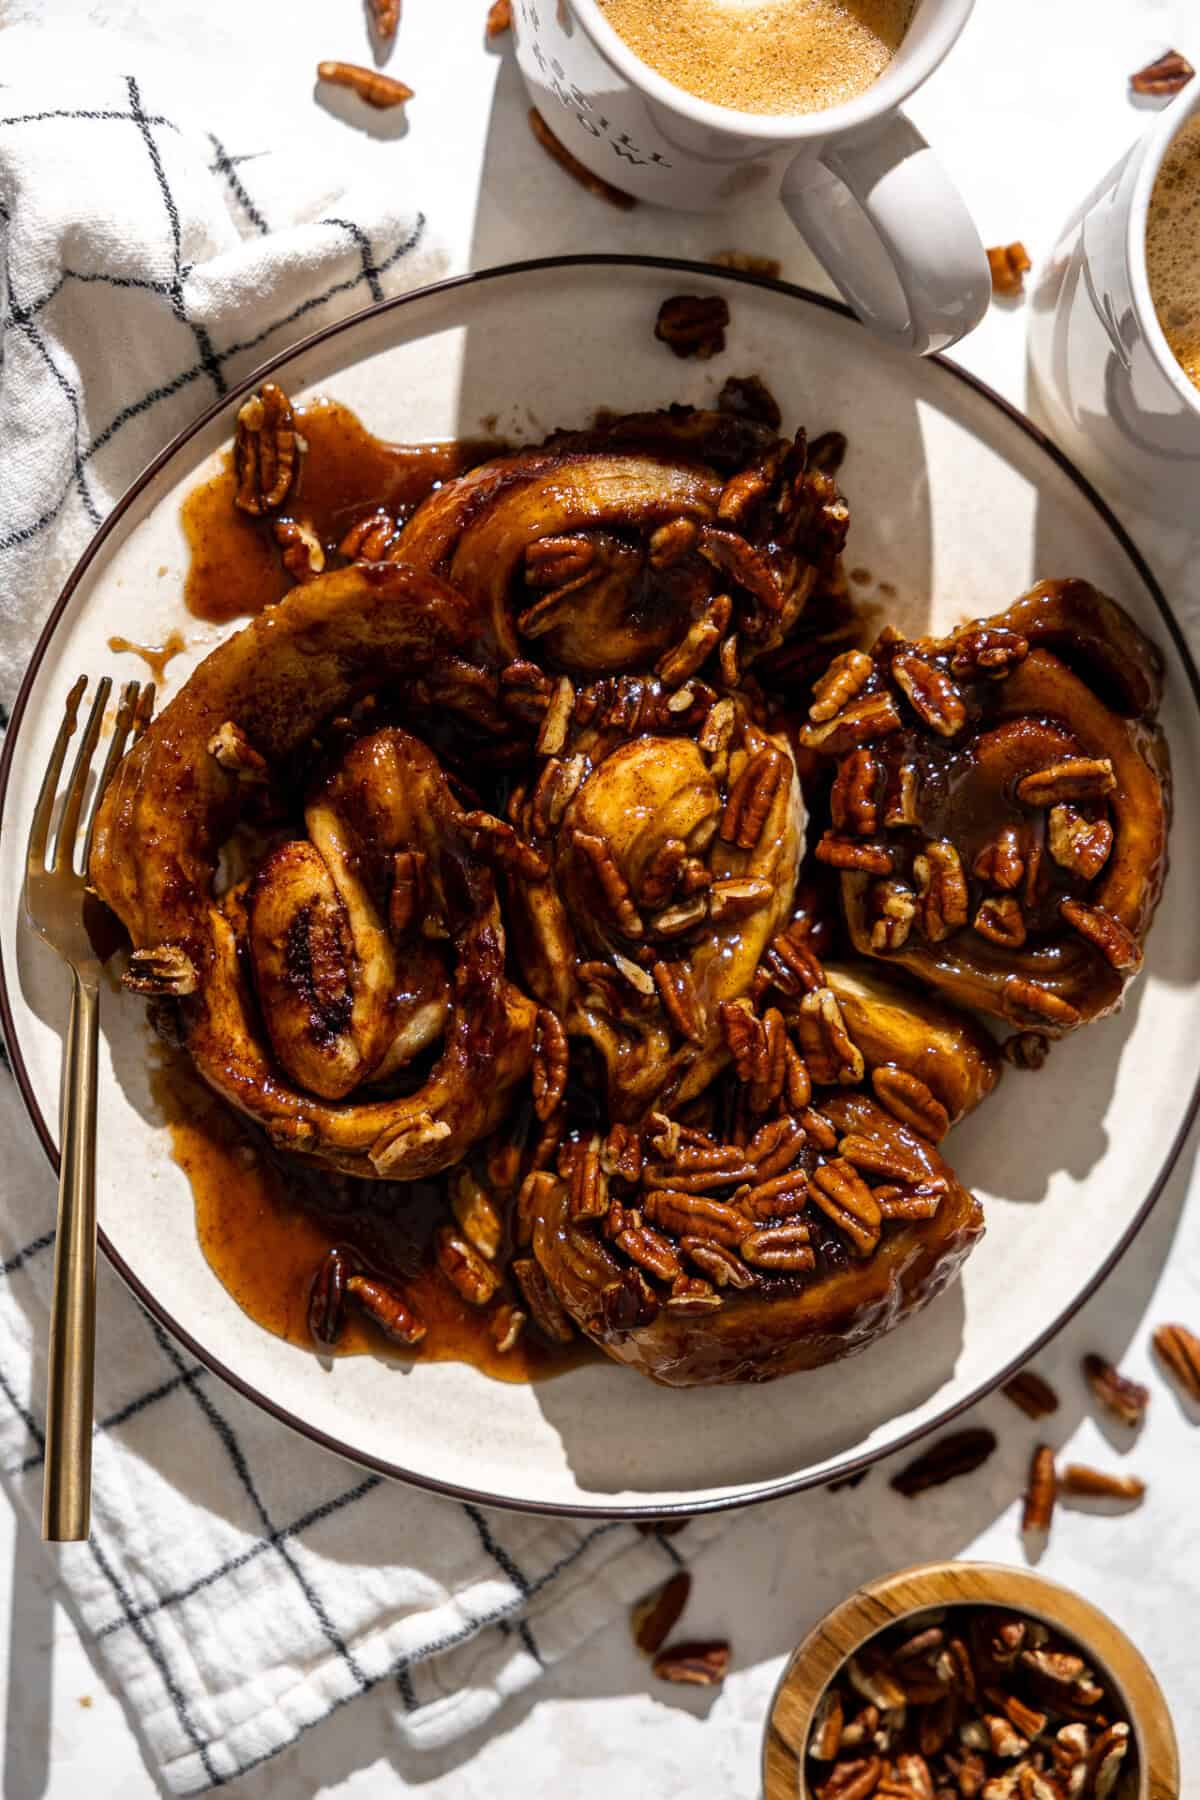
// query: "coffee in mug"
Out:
[1173,247]
[764,56]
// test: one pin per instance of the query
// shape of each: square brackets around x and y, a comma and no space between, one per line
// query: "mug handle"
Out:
[894,235]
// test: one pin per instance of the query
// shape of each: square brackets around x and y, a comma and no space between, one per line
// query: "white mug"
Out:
[1110,388]
[857,179]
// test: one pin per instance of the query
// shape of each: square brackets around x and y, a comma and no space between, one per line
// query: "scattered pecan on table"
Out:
[1126,1400]
[1008,264]
[385,17]
[595,184]
[371,85]
[655,1616]
[958,1454]
[968,1701]
[1166,75]
[1034,1395]
[748,263]
[499,18]
[1041,1491]
[702,1664]
[1179,1350]
[1099,1484]
[693,324]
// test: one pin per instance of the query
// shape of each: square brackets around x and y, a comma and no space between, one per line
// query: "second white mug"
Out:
[857,179]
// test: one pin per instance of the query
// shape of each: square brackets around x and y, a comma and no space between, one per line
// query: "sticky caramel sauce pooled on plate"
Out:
[235,569]
[263,1232]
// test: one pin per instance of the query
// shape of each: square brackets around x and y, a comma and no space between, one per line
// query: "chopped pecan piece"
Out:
[782,1248]
[942,897]
[477,1215]
[747,396]
[655,1615]
[1034,1395]
[499,18]
[1026,1049]
[370,538]
[697,643]
[1179,1350]
[691,1295]
[1001,920]
[693,324]
[466,1271]
[931,693]
[842,1194]
[750,798]
[161,969]
[301,550]
[1074,778]
[893,909]
[603,190]
[232,751]
[1008,264]
[673,921]
[1167,74]
[372,85]
[958,1454]
[267,451]
[1076,843]
[507,1324]
[1115,942]
[1105,1759]
[852,1780]
[1041,1491]
[839,852]
[703,1663]
[846,675]
[853,805]
[545,1308]
[1127,1400]
[386,1307]
[1078,1478]
[912,1101]
[737,898]
[557,716]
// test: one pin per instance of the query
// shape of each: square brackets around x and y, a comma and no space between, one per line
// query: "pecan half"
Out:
[1127,1400]
[784,1248]
[386,1307]
[603,190]
[703,1663]
[942,896]
[863,721]
[822,1039]
[557,716]
[1074,778]
[588,1184]
[466,1271]
[826,1734]
[1076,843]
[846,676]
[853,1780]
[1040,1492]
[372,85]
[327,1296]
[655,1616]
[1167,74]
[499,19]
[737,898]
[1034,1395]
[1078,1478]
[717,1264]
[267,451]
[844,1197]
[750,798]
[1000,863]
[695,1216]
[1001,920]
[1179,1350]
[1115,942]
[911,1101]
[1105,1759]
[853,805]
[385,17]
[612,883]
[693,324]
[1008,264]
[1028,1003]
[677,990]
[477,1215]
[958,1454]
[839,852]
[930,692]
[545,1307]
[650,1250]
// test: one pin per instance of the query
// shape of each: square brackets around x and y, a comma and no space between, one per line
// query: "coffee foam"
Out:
[764,56]
[1173,247]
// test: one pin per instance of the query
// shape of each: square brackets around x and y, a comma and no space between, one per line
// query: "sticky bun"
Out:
[484,858]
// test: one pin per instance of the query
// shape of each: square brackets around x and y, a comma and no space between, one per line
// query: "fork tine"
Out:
[64,850]
[39,830]
[116,748]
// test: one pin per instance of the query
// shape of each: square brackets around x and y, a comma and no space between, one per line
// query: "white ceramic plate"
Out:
[959,503]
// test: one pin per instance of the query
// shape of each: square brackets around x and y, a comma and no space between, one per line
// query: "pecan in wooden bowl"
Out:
[1000,805]
[968,1679]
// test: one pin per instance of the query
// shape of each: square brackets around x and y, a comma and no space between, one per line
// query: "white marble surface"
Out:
[1027,113]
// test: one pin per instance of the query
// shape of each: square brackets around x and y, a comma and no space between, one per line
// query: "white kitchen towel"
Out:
[239,1582]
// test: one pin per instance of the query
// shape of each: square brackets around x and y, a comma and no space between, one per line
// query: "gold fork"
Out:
[62,912]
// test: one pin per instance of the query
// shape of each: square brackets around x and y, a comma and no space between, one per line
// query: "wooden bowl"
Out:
[878,1604]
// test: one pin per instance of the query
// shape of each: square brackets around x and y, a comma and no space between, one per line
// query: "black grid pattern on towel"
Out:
[169,1372]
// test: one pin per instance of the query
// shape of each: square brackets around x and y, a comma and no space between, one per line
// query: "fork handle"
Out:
[67,1494]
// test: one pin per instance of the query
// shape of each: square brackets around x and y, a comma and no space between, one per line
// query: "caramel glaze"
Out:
[265,1226]
[155,656]
[235,568]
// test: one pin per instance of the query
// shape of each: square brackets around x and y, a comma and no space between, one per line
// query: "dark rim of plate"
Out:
[760,1491]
